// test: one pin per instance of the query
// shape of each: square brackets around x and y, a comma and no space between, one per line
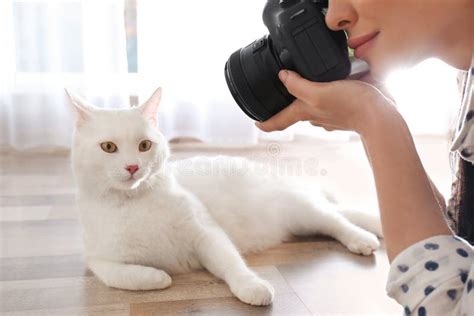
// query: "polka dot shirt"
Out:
[434,277]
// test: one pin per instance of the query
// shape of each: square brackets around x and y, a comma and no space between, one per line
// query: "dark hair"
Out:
[460,211]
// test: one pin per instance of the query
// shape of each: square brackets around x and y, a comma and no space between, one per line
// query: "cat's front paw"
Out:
[363,243]
[254,291]
[147,278]
[162,280]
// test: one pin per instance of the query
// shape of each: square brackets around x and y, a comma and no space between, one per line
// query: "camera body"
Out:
[299,40]
[304,43]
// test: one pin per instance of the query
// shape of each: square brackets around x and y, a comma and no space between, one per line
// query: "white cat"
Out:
[145,218]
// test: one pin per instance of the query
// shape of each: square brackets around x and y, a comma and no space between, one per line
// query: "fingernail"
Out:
[283,75]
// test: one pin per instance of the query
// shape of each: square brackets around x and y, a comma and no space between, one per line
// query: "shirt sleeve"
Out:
[434,277]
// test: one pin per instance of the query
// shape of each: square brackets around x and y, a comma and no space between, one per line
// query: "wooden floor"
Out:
[42,271]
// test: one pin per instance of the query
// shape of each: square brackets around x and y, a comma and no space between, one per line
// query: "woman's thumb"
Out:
[283,75]
[297,85]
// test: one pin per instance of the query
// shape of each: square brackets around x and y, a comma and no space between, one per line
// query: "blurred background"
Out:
[115,53]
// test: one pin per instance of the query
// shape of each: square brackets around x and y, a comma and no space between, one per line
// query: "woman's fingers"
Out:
[292,114]
[338,105]
[283,119]
[299,87]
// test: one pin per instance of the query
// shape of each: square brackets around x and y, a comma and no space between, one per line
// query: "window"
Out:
[33,20]
[131,34]
[90,46]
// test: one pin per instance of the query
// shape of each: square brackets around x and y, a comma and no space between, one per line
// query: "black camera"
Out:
[299,40]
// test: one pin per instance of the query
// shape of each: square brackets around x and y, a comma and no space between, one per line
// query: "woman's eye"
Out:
[144,145]
[108,147]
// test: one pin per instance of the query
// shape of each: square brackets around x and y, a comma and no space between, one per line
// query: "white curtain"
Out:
[47,46]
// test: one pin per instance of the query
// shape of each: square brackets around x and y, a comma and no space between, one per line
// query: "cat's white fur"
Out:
[175,217]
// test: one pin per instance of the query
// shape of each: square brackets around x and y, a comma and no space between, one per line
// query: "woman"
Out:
[432,273]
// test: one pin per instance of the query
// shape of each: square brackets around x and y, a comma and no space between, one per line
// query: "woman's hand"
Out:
[350,105]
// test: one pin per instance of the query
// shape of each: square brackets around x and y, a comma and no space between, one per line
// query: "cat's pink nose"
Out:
[132,168]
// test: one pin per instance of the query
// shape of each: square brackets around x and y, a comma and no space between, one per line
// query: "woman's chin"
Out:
[379,71]
[381,65]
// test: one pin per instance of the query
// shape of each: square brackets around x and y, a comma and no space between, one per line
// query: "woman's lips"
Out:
[361,44]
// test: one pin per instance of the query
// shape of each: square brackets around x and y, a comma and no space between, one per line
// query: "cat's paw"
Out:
[363,243]
[147,278]
[161,280]
[254,291]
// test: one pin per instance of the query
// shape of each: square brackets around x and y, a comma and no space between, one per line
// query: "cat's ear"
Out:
[81,108]
[149,109]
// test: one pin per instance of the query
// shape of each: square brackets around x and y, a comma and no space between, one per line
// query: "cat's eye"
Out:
[145,145]
[108,147]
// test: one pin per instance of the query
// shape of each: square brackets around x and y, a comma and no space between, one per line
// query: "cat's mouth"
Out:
[133,181]
[130,183]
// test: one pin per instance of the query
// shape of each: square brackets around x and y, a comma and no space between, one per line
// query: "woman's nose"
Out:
[341,15]
[132,168]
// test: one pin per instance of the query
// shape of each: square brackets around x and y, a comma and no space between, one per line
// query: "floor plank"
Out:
[284,304]
[37,213]
[89,291]
[40,238]
[336,280]
[99,310]
[47,267]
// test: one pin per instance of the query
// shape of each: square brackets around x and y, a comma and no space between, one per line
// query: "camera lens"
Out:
[252,76]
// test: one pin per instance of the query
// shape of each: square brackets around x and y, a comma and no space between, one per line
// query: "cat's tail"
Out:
[367,221]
